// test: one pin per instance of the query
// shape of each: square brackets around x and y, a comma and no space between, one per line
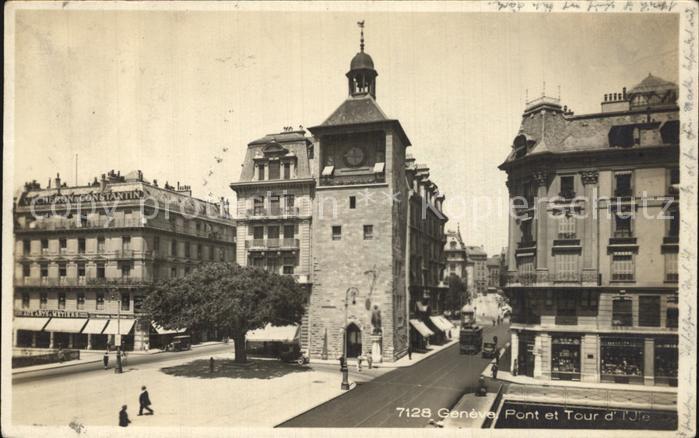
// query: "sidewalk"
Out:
[403,361]
[93,356]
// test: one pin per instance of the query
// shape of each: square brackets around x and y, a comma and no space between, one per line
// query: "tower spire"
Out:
[361,35]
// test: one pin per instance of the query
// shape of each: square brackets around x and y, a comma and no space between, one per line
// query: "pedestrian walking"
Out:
[105,359]
[123,417]
[410,351]
[494,370]
[211,364]
[118,368]
[144,402]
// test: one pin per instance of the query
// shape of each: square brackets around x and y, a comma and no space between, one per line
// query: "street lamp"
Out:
[343,365]
[112,295]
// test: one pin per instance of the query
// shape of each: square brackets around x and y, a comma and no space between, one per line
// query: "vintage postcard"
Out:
[339,218]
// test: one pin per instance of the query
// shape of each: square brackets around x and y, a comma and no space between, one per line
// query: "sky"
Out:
[167,91]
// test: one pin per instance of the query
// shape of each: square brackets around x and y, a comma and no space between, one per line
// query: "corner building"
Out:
[592,259]
[359,230]
[85,255]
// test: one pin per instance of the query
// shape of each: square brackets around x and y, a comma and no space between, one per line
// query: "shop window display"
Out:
[622,360]
[666,362]
[565,358]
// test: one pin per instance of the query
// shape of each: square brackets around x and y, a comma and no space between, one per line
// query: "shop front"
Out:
[622,359]
[565,357]
[666,361]
[525,354]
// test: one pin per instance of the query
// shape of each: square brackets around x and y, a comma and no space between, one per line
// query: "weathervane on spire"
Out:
[361,39]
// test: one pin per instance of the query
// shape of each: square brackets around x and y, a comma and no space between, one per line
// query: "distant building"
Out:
[494,264]
[455,253]
[85,254]
[592,264]
[476,271]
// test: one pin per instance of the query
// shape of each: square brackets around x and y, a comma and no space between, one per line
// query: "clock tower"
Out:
[359,230]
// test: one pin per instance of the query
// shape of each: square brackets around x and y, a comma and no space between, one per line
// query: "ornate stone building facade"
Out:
[85,254]
[593,239]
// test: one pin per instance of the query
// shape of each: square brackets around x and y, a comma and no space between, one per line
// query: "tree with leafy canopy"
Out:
[228,297]
[457,289]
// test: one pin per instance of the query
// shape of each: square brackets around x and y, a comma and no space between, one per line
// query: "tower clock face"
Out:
[354,157]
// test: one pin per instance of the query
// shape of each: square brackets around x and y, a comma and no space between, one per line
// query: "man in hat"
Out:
[144,402]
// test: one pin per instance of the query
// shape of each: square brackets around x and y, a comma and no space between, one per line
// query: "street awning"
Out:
[32,324]
[95,326]
[271,333]
[124,326]
[421,328]
[164,331]
[447,323]
[66,325]
[440,323]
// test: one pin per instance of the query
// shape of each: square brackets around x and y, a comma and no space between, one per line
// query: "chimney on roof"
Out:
[103,182]
[624,93]
[57,181]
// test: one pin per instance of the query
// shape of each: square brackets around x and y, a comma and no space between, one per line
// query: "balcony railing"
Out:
[622,276]
[526,243]
[285,243]
[568,277]
[51,281]
[338,180]
[544,277]
[272,212]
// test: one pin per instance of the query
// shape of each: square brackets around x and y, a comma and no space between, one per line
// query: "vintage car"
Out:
[489,350]
[179,343]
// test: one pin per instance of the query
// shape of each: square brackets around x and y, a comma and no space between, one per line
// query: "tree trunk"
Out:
[239,344]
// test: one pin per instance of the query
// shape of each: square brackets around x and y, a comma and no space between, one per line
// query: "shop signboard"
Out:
[45,313]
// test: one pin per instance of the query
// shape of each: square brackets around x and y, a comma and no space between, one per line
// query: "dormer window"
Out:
[274,168]
[567,187]
[261,172]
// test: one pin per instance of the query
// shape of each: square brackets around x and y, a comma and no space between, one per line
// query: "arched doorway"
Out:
[354,340]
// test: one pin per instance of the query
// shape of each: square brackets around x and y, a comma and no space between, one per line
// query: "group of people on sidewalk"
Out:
[120,360]
[144,404]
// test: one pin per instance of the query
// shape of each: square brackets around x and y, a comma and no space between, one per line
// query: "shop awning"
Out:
[271,333]
[421,328]
[447,323]
[440,323]
[95,326]
[164,331]
[124,326]
[32,324]
[66,325]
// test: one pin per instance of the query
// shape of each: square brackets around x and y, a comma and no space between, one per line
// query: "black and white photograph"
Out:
[329,218]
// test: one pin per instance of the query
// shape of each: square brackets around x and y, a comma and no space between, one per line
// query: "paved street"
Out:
[133,360]
[435,383]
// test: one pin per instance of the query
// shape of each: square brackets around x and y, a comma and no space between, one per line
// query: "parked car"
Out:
[179,343]
[489,350]
[292,353]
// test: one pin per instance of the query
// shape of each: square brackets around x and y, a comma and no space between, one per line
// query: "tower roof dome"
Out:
[362,61]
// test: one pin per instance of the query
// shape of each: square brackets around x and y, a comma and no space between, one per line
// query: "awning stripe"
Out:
[124,326]
[421,328]
[32,324]
[95,326]
[66,325]
[439,323]
[164,331]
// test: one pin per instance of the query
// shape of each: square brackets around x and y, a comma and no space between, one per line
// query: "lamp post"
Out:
[343,365]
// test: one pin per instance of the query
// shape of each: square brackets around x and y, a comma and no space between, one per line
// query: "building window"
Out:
[258,205]
[622,315]
[44,246]
[622,266]
[173,248]
[622,185]
[289,201]
[43,300]
[125,270]
[156,243]
[261,172]
[26,247]
[61,300]
[566,226]
[288,267]
[100,270]
[100,245]
[26,270]
[622,223]
[198,255]
[125,301]
[567,267]
[274,203]
[126,243]
[674,227]
[81,245]
[567,187]
[81,269]
[525,268]
[368,232]
[137,303]
[274,169]
[173,272]
[187,249]
[526,228]
[25,300]
[187,269]
[671,315]
[649,311]
[352,202]
[62,270]
[336,232]
[81,300]
[221,255]
[63,246]
[589,301]
[44,268]
[272,232]
[287,170]
[99,301]
[671,274]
